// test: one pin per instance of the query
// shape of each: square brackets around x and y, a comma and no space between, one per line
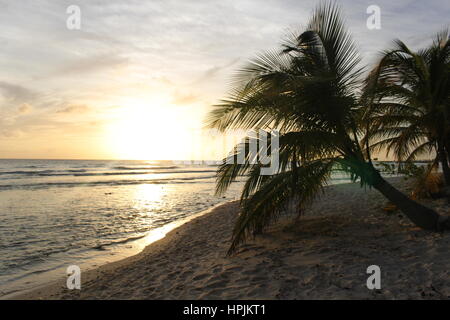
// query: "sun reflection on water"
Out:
[148,198]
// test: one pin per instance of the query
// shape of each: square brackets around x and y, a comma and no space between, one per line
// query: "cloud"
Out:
[74,108]
[183,99]
[211,72]
[25,108]
[15,93]
[12,133]
[93,64]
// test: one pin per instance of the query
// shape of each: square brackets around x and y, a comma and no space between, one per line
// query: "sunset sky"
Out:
[136,81]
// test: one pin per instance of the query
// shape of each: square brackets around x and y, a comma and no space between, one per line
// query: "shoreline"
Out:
[323,256]
[141,245]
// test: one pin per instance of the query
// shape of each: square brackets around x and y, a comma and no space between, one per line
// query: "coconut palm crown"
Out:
[409,97]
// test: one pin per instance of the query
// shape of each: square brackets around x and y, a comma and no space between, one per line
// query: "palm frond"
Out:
[274,195]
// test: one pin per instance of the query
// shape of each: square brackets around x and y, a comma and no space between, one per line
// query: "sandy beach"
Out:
[324,255]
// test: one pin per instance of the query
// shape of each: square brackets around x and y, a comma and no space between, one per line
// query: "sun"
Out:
[149,130]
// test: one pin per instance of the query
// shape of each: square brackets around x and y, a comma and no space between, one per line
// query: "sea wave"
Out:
[145,168]
[115,242]
[84,173]
[104,183]
[43,172]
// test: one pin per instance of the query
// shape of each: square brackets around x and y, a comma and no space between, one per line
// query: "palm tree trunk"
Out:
[444,162]
[420,215]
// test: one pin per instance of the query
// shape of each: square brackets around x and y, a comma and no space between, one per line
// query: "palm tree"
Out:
[307,91]
[408,94]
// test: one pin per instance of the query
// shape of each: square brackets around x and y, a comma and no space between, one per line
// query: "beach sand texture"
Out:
[323,256]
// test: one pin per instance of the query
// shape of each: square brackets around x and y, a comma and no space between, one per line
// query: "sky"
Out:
[138,78]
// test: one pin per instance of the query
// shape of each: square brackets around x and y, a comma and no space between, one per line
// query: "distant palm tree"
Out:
[308,92]
[408,94]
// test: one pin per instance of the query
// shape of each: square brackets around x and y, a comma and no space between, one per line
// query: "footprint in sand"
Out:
[217,284]
[233,269]
[200,277]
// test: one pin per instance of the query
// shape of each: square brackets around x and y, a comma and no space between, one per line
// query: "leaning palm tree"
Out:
[308,92]
[408,99]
